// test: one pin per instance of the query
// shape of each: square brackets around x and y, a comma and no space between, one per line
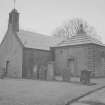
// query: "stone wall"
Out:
[34,57]
[87,56]
[78,53]
[99,61]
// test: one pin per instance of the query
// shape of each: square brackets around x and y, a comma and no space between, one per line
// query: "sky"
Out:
[43,16]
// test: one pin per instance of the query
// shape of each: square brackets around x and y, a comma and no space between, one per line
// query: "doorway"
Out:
[6,69]
[71,65]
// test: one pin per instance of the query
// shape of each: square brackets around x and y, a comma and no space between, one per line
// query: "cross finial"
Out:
[14,3]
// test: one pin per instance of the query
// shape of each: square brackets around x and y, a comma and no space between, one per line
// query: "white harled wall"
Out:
[11,50]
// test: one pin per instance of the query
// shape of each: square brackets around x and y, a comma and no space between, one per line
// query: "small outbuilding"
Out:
[79,52]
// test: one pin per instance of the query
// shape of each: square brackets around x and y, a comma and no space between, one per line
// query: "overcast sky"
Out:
[44,16]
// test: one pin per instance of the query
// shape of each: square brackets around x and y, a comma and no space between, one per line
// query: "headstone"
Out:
[35,70]
[2,73]
[66,75]
[85,76]
[42,73]
[50,71]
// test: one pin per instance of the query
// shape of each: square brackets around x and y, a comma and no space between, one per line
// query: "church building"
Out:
[23,53]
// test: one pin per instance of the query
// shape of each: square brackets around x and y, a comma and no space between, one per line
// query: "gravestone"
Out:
[50,71]
[35,70]
[66,75]
[85,76]
[42,73]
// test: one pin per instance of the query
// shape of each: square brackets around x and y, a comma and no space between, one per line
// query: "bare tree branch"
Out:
[71,27]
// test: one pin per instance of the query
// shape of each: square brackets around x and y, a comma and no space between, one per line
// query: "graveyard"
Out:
[36,92]
[49,64]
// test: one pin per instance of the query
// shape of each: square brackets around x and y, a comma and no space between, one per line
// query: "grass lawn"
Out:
[33,92]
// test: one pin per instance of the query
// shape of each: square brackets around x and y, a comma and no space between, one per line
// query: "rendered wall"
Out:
[11,50]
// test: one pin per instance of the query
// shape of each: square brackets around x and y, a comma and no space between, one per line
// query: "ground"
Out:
[34,92]
[96,98]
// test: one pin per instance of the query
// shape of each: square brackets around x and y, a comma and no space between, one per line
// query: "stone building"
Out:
[22,53]
[25,54]
[80,52]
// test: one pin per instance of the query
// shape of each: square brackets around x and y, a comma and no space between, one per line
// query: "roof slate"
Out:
[79,39]
[44,42]
[36,40]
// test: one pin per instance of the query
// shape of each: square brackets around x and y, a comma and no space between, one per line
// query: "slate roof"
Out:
[36,40]
[44,42]
[78,39]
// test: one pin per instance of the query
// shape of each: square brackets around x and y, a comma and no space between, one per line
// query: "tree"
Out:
[71,27]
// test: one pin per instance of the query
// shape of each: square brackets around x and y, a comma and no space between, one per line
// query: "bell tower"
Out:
[14,19]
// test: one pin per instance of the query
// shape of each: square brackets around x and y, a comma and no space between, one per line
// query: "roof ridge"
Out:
[37,40]
[22,30]
[80,39]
